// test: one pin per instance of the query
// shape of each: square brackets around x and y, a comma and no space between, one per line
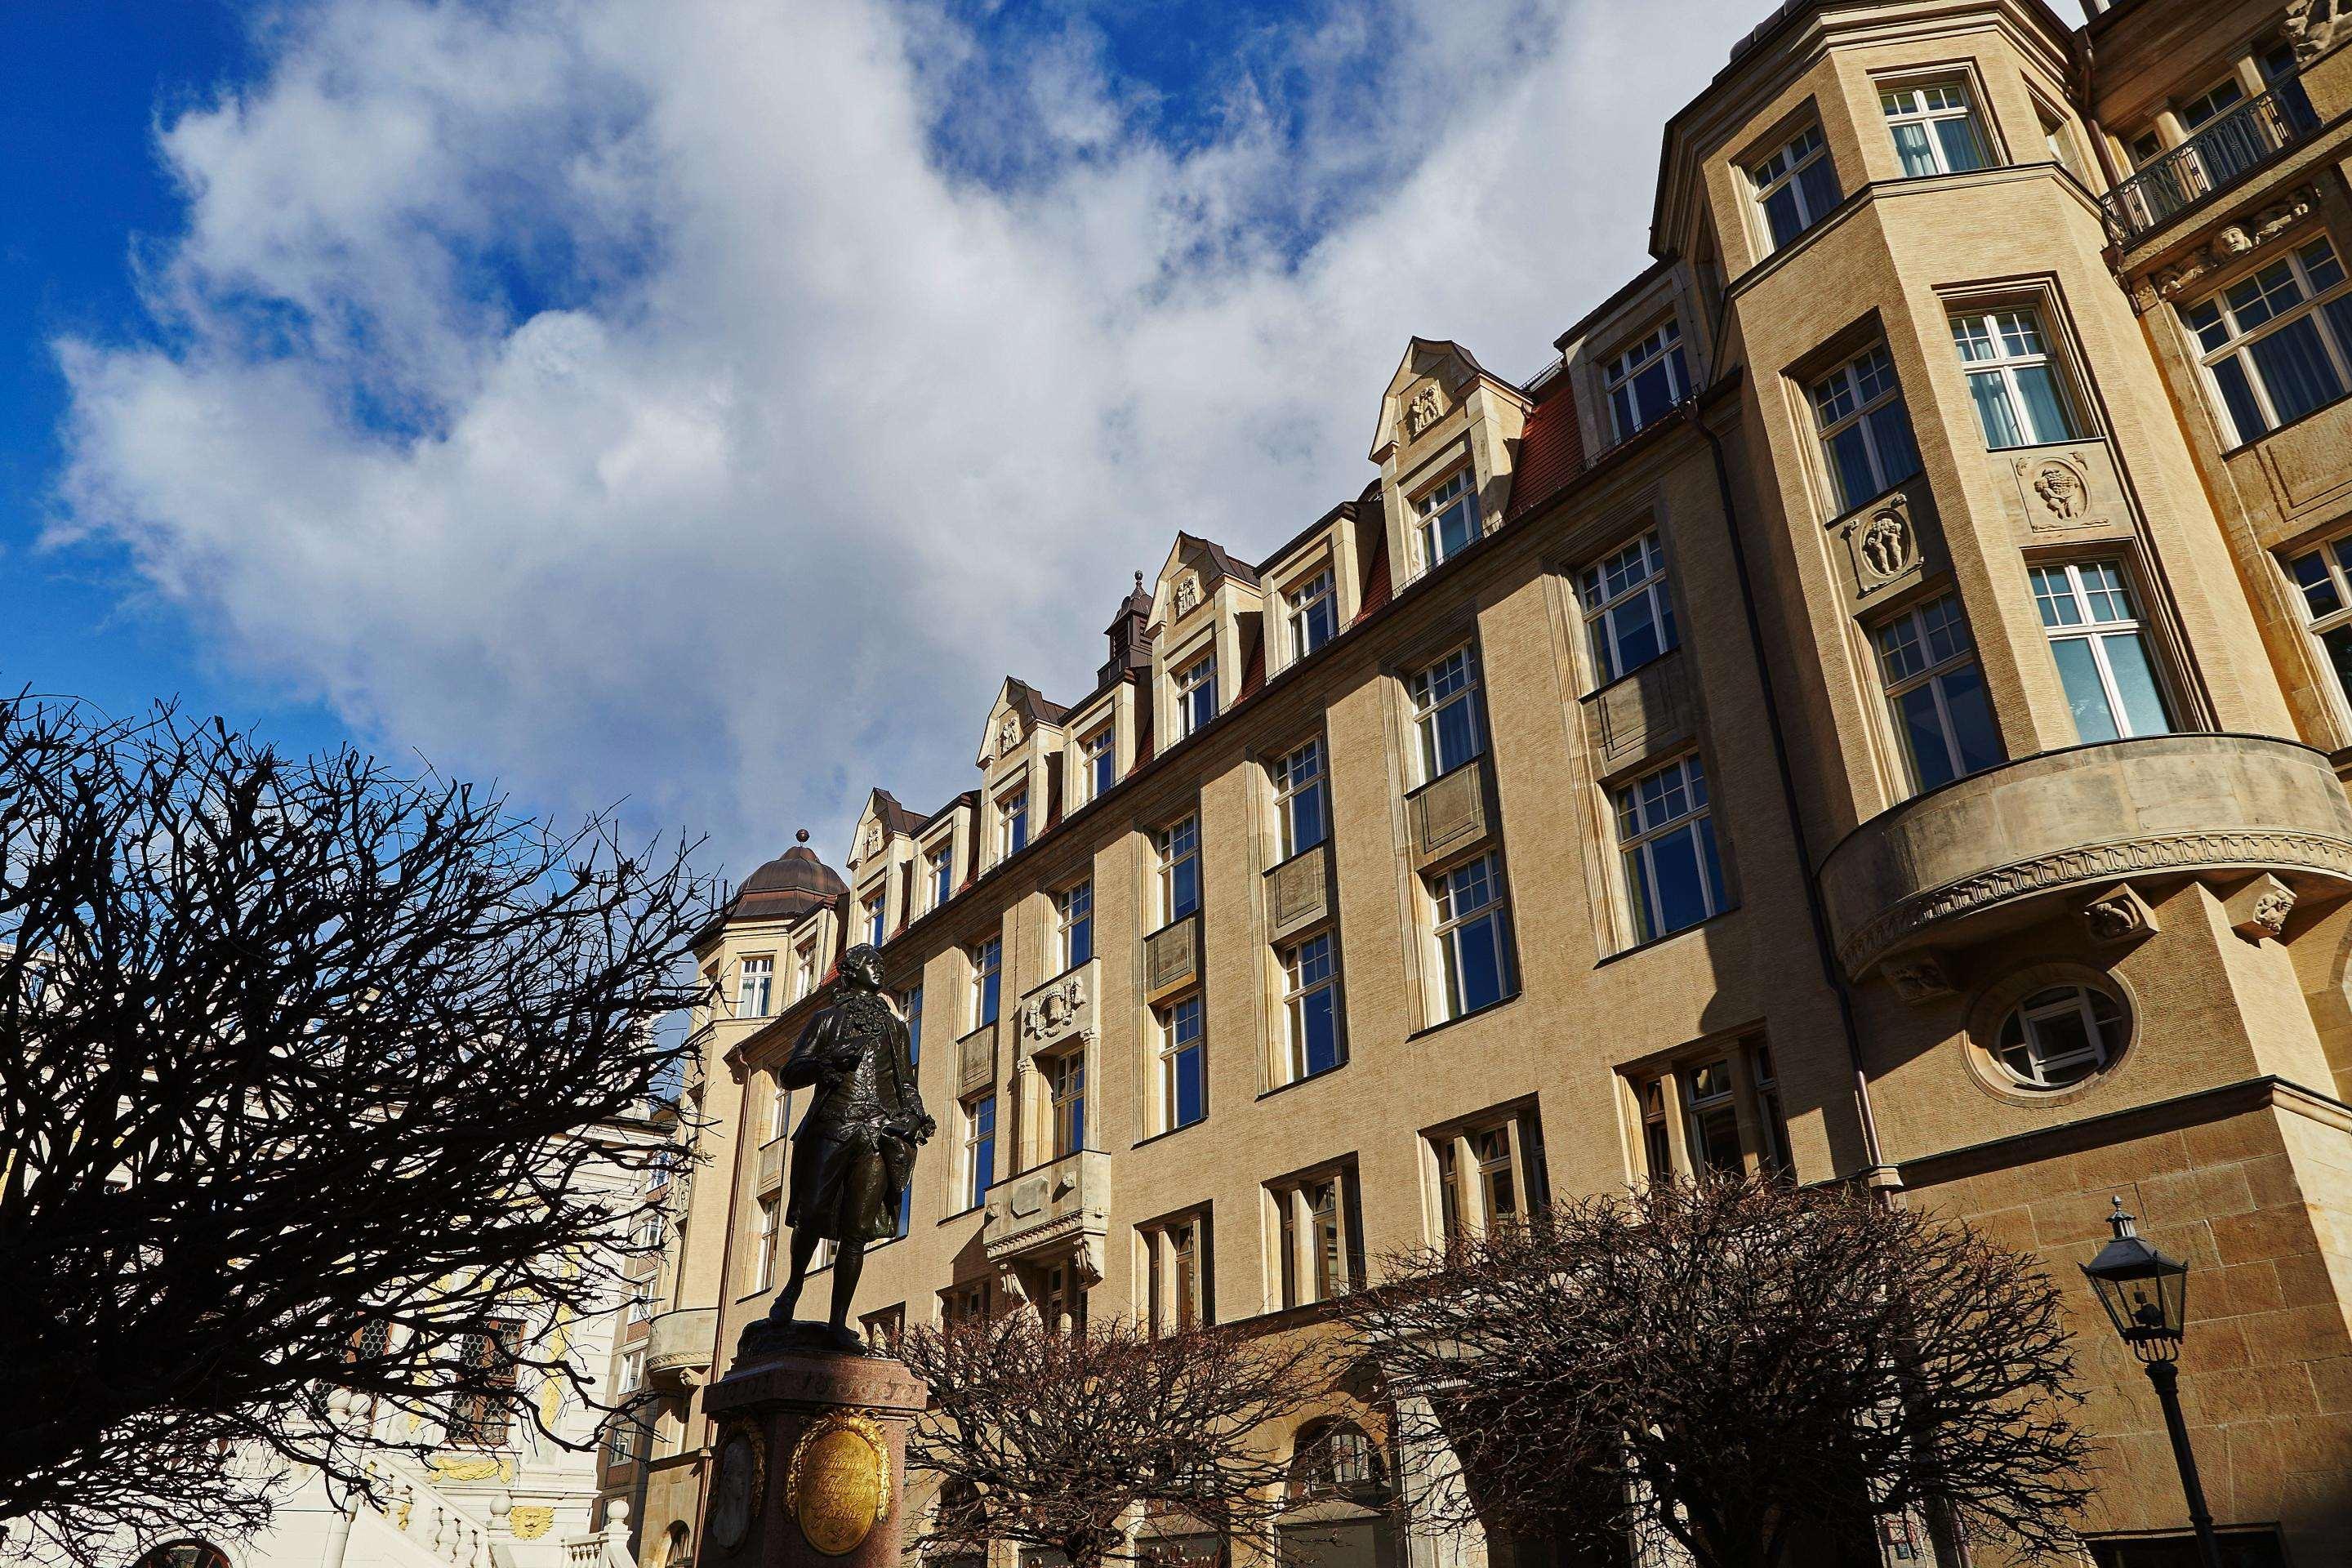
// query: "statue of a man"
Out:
[855,1150]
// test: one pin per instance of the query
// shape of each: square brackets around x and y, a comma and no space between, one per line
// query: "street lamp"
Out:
[2146,1293]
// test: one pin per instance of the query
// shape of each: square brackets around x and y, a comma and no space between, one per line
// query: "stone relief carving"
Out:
[1048,1013]
[2233,240]
[1008,736]
[2313,27]
[1188,594]
[2058,491]
[2097,862]
[873,843]
[2119,914]
[2260,909]
[1424,411]
[1917,976]
[2060,488]
[1885,543]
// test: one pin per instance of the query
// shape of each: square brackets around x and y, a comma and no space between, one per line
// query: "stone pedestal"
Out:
[808,1464]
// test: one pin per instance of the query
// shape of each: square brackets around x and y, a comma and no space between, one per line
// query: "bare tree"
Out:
[302,1069]
[1759,1372]
[1053,1440]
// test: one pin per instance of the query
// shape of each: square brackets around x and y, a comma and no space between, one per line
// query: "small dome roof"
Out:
[792,884]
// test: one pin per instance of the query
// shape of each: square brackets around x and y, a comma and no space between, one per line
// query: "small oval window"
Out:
[2062,1035]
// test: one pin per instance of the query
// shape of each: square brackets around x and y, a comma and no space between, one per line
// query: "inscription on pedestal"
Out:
[840,1482]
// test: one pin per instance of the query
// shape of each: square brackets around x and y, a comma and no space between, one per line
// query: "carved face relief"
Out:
[1424,411]
[2272,909]
[1188,594]
[1886,546]
[2061,489]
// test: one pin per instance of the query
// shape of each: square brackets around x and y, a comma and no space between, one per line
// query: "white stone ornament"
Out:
[1188,594]
[1008,736]
[2119,914]
[1424,411]
[2260,909]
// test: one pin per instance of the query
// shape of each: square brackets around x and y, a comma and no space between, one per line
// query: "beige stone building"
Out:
[1875,708]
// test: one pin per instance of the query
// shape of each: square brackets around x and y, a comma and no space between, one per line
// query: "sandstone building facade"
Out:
[1875,708]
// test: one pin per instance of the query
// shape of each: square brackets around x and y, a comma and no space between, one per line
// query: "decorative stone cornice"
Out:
[2247,849]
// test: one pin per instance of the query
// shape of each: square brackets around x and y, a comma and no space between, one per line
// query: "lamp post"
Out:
[2145,1292]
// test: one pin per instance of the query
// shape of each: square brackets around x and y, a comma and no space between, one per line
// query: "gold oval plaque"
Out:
[840,1482]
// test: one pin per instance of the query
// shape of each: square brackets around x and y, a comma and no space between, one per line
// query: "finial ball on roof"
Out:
[801,837]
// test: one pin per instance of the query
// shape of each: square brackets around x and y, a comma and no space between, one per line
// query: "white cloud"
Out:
[627,398]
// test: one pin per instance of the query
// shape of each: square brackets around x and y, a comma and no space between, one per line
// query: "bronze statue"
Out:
[853,1152]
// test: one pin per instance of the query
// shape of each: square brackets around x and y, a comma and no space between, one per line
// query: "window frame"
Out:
[2238,344]
[1642,834]
[1176,1296]
[1171,862]
[1098,764]
[1932,675]
[806,975]
[874,913]
[2330,628]
[1622,369]
[1298,987]
[1295,782]
[1762,189]
[1428,706]
[1600,606]
[1074,915]
[1846,379]
[1012,822]
[1461,1165]
[2087,627]
[1171,1046]
[1313,597]
[1454,495]
[1448,924]
[2095,1048]
[1299,1231]
[1930,118]
[1065,1078]
[975,1148]
[1661,1098]
[2004,363]
[765,972]
[939,866]
[1195,684]
[767,1224]
[987,958]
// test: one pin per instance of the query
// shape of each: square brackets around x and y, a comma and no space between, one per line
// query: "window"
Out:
[978,1163]
[2255,1548]
[2058,138]
[1866,428]
[2097,636]
[1474,936]
[1183,1065]
[1314,609]
[1074,920]
[803,969]
[1936,693]
[1446,713]
[1935,131]
[1180,869]
[2278,344]
[1646,380]
[754,987]
[2325,577]
[1702,1097]
[2019,397]
[987,966]
[941,862]
[763,1249]
[2062,1035]
[641,1298]
[1196,695]
[1796,186]
[780,1108]
[621,1440]
[489,1358]
[1489,1174]
[964,1304]
[1314,1233]
[1310,1008]
[1012,823]
[912,1005]
[1334,1459]
[1629,614]
[885,1328]
[1447,519]
[1065,1086]
[1673,874]
[871,915]
[1299,798]
[1172,1267]
[1101,765]
[1062,1299]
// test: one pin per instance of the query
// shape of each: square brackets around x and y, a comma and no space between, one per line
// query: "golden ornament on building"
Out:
[840,1482]
[530,1521]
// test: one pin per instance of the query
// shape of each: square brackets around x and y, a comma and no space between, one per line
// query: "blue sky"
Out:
[706,403]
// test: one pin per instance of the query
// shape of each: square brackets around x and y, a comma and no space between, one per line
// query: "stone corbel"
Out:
[1918,977]
[2259,908]
[2119,914]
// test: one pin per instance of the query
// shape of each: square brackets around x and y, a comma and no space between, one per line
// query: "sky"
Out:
[700,405]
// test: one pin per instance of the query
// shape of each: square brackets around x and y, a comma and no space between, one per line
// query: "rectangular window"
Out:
[1315,1233]
[2278,344]
[1311,1007]
[1796,186]
[2101,646]
[979,1163]
[1667,834]
[987,975]
[1866,428]
[1474,936]
[1447,712]
[1628,612]
[872,917]
[1314,614]
[913,1008]
[941,862]
[1447,519]
[1299,798]
[1935,131]
[1102,766]
[1012,823]
[964,1305]
[1074,920]
[1489,1173]
[780,1108]
[1719,1135]
[885,1328]
[1183,1065]
[1772,1123]
[1180,869]
[1065,1086]
[492,1357]
[1935,692]
[1171,1264]
[1646,380]
[2020,397]
[1196,695]
[1657,1147]
[641,1299]
[803,969]
[2325,577]
[1062,1299]
[754,990]
[763,1244]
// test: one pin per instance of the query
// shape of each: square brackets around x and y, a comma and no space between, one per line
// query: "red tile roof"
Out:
[1376,579]
[1551,452]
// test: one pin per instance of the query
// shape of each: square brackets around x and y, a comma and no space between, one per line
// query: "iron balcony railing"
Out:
[2223,152]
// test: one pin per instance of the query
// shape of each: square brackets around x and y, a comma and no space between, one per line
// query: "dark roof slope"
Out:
[1551,452]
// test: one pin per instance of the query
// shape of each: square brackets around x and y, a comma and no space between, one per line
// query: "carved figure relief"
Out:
[1188,594]
[2119,914]
[2260,909]
[1048,1012]
[2314,27]
[1917,977]
[2061,489]
[1887,546]
[1008,736]
[2234,240]
[2057,491]
[873,844]
[1424,411]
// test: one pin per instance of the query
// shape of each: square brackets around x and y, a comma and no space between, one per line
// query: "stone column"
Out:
[808,1467]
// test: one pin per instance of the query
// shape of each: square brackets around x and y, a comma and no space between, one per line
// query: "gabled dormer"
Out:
[1635,358]
[1447,435]
[1020,753]
[882,868]
[1205,612]
[943,854]
[1313,586]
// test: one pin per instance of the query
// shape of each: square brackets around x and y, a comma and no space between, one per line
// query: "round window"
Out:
[2062,1035]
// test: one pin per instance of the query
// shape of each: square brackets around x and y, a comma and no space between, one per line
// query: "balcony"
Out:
[1983,855]
[679,1345]
[2223,152]
[1172,958]
[1051,1211]
[1299,892]
[1449,814]
[1061,1009]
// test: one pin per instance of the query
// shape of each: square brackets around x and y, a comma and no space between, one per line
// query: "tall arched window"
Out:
[1335,1460]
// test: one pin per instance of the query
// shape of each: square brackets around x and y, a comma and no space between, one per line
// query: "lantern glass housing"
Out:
[2144,1291]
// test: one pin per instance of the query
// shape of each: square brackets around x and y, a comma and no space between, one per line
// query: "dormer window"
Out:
[1314,614]
[871,913]
[1646,380]
[1796,186]
[1196,695]
[1101,762]
[1448,519]
[1012,823]
[942,864]
[805,969]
